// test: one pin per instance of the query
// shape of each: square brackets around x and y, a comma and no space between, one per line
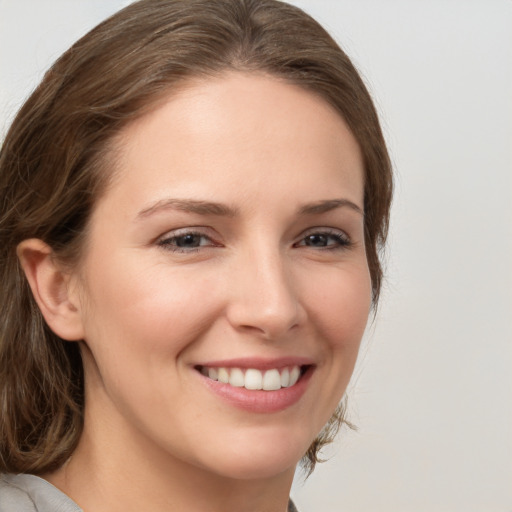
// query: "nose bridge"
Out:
[265,300]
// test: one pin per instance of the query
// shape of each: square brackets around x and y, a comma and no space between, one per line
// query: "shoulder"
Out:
[291,507]
[13,497]
[29,493]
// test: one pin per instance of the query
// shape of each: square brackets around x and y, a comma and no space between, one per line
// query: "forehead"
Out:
[250,130]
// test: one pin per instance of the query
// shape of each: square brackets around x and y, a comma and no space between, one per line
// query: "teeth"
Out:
[294,375]
[285,378]
[223,375]
[254,379]
[236,378]
[271,380]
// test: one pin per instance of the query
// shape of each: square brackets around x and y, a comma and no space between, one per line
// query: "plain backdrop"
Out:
[432,393]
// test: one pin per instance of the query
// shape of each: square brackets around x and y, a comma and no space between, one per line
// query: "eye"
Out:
[325,239]
[185,241]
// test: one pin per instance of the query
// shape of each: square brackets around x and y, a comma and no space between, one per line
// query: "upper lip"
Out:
[259,363]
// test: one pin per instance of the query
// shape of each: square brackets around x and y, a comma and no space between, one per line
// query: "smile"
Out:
[253,379]
[258,385]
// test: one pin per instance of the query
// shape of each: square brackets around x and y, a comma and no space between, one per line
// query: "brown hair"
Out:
[53,166]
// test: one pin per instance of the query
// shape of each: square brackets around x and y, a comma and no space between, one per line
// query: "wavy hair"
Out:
[56,160]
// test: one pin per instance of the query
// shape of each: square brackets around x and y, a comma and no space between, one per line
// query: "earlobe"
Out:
[50,286]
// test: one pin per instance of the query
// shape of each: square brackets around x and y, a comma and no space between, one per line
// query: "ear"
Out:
[52,289]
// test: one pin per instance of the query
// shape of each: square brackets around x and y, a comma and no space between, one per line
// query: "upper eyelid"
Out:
[325,231]
[209,233]
[166,242]
[343,239]
[189,230]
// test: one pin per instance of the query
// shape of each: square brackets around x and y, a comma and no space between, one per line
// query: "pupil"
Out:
[316,240]
[188,241]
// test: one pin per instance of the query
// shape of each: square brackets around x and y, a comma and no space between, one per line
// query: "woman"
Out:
[193,201]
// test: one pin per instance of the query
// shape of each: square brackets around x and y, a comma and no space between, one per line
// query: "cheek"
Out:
[147,312]
[338,307]
[339,304]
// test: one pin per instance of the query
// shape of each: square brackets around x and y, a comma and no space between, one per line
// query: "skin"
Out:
[256,286]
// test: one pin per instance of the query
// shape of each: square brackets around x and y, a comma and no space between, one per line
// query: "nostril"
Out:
[268,310]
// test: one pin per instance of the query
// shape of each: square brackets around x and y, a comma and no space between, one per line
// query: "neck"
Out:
[116,468]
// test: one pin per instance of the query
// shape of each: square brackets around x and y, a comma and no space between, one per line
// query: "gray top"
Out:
[29,493]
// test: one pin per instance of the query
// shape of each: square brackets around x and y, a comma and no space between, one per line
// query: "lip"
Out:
[259,401]
[258,363]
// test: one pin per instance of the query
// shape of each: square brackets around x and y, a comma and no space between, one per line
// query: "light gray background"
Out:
[432,394]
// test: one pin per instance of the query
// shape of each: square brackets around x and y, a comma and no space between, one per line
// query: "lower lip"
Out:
[260,401]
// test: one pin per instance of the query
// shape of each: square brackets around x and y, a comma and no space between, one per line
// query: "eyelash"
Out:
[170,243]
[342,241]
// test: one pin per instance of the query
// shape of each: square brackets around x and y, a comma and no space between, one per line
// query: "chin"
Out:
[261,458]
[249,468]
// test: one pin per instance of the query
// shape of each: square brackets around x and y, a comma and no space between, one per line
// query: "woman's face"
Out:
[227,255]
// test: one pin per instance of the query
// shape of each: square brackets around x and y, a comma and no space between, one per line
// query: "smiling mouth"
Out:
[253,379]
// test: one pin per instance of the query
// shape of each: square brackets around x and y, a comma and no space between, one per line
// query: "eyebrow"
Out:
[211,208]
[188,205]
[328,205]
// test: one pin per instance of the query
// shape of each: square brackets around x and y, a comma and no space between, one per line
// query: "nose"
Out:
[263,298]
